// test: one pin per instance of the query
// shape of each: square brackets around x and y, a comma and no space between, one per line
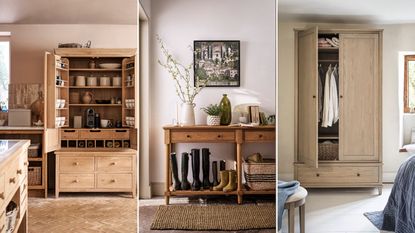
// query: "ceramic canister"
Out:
[91,81]
[80,81]
[116,81]
[104,81]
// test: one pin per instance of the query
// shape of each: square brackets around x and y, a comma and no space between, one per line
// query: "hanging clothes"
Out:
[334,99]
[326,101]
[320,92]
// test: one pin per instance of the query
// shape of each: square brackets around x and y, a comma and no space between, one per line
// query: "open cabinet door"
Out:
[307,55]
[51,132]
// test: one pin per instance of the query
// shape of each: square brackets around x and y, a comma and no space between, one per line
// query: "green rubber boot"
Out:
[224,180]
[231,186]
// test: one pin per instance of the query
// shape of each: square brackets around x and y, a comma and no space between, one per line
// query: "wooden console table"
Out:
[215,134]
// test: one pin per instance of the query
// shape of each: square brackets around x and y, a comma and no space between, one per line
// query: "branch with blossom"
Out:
[181,75]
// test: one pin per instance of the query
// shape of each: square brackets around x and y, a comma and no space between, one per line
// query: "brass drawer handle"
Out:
[318,175]
[2,195]
[19,171]
[12,180]
[76,181]
[113,181]
[113,163]
[358,174]
[76,163]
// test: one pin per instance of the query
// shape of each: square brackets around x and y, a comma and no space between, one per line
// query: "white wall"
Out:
[29,43]
[396,38]
[179,22]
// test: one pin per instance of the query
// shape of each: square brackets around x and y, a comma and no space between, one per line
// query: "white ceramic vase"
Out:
[187,116]
[213,120]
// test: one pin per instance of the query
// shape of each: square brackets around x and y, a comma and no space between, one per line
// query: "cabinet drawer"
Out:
[69,134]
[114,164]
[11,178]
[121,134]
[202,136]
[114,181]
[76,164]
[258,136]
[96,134]
[76,181]
[341,175]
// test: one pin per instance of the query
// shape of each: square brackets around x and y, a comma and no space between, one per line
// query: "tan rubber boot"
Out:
[232,182]
[224,180]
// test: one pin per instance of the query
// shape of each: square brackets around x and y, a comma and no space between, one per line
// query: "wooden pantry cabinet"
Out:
[92,158]
[354,158]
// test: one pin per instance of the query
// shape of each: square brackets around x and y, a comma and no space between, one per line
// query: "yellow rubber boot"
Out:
[232,182]
[224,180]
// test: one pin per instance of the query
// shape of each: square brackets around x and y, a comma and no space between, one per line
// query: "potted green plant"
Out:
[213,114]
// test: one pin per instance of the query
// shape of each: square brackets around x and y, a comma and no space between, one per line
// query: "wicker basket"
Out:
[260,176]
[35,175]
[328,151]
[34,150]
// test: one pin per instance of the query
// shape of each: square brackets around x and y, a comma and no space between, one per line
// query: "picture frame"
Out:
[217,60]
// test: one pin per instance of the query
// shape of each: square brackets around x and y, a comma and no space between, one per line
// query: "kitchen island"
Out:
[13,184]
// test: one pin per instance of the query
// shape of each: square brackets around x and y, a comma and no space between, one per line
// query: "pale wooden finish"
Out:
[13,183]
[94,52]
[307,93]
[359,97]
[69,134]
[215,134]
[95,134]
[360,124]
[96,170]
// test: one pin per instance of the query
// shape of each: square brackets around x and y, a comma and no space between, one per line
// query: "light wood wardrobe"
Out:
[357,136]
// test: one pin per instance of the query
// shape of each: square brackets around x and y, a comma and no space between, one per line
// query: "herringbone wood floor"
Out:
[83,214]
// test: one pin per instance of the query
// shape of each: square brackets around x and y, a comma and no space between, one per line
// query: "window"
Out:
[4,72]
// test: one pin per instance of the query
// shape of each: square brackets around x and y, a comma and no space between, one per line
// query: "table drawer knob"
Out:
[76,181]
[113,181]
[76,163]
[188,136]
[219,136]
[12,180]
[2,195]
[113,164]
[260,136]
[19,171]
[318,175]
[25,163]
[358,174]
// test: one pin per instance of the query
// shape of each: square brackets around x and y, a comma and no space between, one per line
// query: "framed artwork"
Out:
[218,62]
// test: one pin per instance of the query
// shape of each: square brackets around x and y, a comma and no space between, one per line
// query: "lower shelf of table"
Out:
[218,193]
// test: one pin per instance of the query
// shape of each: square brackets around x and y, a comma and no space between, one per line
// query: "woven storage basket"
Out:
[260,176]
[328,151]
[33,151]
[34,175]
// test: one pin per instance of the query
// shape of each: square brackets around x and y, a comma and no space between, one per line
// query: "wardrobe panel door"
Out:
[359,97]
[307,96]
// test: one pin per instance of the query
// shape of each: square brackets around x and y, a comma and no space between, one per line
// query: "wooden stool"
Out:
[294,201]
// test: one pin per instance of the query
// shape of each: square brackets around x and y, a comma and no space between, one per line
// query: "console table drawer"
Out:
[76,181]
[114,181]
[202,136]
[121,134]
[69,134]
[258,136]
[76,164]
[114,164]
[346,174]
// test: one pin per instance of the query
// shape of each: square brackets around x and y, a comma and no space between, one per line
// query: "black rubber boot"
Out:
[185,170]
[215,173]
[173,164]
[205,168]
[195,169]
[222,165]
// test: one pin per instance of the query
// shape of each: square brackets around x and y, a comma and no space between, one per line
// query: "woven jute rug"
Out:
[214,217]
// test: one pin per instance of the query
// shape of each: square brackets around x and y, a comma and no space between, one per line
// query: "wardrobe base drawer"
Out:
[76,181]
[114,181]
[337,174]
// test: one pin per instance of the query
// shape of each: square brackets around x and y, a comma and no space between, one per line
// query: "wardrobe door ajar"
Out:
[307,96]
[360,96]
